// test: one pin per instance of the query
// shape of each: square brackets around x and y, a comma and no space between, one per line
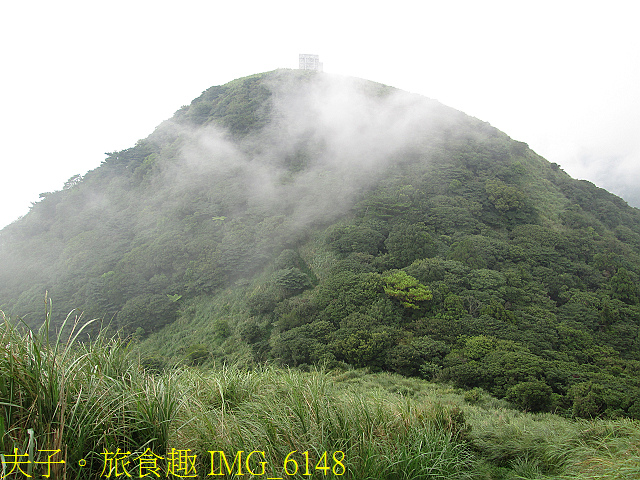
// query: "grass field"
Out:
[93,406]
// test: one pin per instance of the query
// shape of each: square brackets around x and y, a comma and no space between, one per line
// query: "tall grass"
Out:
[77,399]
[80,399]
[546,446]
[279,412]
[510,444]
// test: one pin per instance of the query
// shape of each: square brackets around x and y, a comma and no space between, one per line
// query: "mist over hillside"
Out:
[296,147]
[303,218]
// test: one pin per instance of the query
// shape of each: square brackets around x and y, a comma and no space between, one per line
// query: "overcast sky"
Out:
[80,78]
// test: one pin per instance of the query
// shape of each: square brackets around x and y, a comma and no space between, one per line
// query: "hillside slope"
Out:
[300,217]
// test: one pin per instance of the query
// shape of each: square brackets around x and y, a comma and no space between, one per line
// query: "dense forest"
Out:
[302,219]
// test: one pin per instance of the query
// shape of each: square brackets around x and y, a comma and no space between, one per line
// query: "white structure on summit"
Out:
[310,62]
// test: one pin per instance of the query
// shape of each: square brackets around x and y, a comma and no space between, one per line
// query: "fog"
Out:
[328,139]
[197,206]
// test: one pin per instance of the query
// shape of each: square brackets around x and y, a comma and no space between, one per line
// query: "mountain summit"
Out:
[302,218]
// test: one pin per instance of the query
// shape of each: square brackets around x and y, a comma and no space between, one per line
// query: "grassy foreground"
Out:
[92,405]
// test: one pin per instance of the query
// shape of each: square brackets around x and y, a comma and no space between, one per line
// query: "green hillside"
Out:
[299,218]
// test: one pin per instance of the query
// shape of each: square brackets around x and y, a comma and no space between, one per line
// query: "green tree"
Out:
[409,242]
[465,252]
[587,398]
[151,312]
[623,287]
[406,289]
[534,395]
[364,345]
[497,310]
[355,238]
[479,346]
[292,281]
[345,292]
[504,197]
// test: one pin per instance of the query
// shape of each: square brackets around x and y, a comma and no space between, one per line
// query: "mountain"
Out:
[304,218]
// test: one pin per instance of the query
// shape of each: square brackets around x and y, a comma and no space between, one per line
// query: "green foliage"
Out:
[473,396]
[534,396]
[303,345]
[623,287]
[79,398]
[588,399]
[407,243]
[345,292]
[479,346]
[436,270]
[149,312]
[291,280]
[496,310]
[476,252]
[406,289]
[363,346]
[355,238]
[222,328]
[504,197]
[263,300]
[196,354]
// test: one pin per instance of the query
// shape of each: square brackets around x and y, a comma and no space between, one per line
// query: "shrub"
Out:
[534,396]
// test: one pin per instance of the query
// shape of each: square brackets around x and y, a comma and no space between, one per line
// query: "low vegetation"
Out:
[94,406]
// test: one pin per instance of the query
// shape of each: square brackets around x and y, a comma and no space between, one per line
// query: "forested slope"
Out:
[298,217]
